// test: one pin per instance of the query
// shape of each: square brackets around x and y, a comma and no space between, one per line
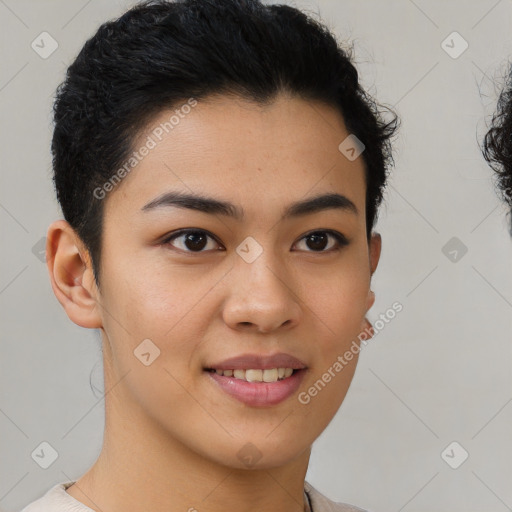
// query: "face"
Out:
[187,285]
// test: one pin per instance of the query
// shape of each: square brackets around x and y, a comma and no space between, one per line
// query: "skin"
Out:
[171,435]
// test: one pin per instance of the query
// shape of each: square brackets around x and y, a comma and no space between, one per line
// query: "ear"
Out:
[375,246]
[71,275]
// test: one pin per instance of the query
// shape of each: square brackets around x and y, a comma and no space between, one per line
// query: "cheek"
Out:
[339,308]
[153,336]
[168,307]
[145,294]
[339,311]
[340,298]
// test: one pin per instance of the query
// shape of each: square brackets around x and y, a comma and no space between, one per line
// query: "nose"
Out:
[262,297]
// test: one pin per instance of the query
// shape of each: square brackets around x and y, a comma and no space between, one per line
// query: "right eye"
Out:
[192,240]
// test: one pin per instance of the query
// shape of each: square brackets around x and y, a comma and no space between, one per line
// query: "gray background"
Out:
[439,372]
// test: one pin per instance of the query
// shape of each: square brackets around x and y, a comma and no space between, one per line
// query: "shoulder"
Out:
[57,499]
[321,503]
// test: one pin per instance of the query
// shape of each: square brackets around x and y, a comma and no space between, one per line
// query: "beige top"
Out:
[58,500]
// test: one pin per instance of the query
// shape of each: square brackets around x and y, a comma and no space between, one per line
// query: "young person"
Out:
[497,146]
[220,170]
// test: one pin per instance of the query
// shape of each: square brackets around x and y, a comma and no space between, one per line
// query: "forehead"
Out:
[242,150]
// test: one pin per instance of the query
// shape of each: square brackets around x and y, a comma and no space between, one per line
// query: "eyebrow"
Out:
[215,206]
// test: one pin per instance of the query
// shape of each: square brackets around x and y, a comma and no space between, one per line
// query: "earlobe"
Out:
[71,275]
[367,331]
[370,300]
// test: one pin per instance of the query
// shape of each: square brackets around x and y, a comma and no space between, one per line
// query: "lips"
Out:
[258,361]
[258,394]
[230,376]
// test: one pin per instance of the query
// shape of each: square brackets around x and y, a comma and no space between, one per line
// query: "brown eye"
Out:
[317,241]
[191,240]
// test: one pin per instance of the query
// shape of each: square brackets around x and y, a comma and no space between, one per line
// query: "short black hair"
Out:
[497,145]
[160,53]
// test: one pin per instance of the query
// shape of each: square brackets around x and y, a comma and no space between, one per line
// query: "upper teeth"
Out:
[269,375]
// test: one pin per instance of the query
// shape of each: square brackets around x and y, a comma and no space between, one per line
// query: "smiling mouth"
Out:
[256,375]
[258,387]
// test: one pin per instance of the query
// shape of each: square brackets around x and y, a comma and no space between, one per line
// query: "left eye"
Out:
[318,239]
[197,240]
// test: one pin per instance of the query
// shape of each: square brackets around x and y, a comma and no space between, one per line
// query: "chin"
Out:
[261,453]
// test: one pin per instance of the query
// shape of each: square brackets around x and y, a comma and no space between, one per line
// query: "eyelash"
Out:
[340,238]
